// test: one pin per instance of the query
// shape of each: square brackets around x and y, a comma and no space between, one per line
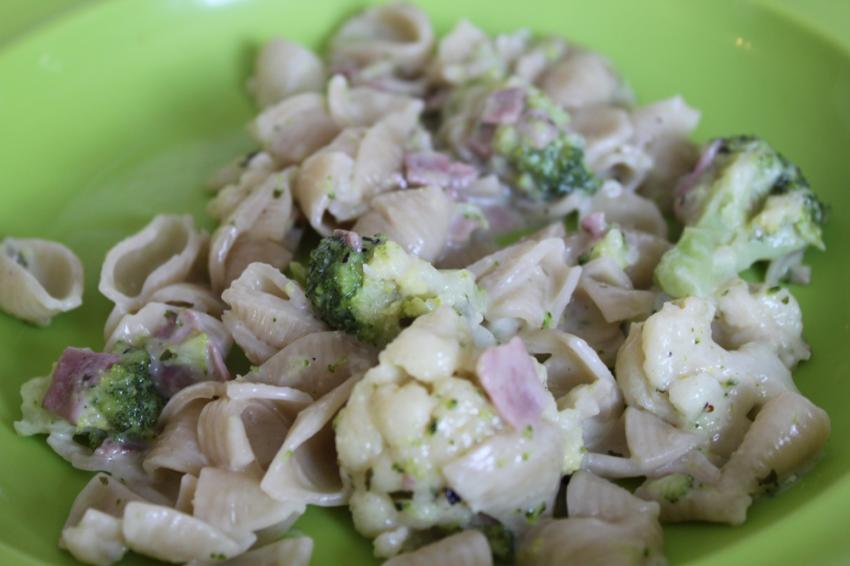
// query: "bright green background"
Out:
[113,112]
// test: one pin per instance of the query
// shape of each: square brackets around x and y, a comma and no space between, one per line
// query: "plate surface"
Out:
[119,110]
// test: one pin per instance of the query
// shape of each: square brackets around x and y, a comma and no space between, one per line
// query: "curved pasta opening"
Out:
[398,27]
[317,459]
[136,265]
[54,272]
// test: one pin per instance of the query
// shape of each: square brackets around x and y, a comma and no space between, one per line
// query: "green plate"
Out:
[119,110]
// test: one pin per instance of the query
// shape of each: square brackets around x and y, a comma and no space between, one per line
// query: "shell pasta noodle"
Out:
[462,287]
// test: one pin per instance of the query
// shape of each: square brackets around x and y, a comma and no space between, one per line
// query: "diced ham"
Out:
[436,100]
[594,224]
[169,379]
[539,131]
[178,326]
[219,368]
[461,229]
[503,106]
[508,376]
[426,168]
[481,140]
[349,238]
[690,180]
[77,370]
[502,218]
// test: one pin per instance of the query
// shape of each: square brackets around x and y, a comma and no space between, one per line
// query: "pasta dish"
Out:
[465,286]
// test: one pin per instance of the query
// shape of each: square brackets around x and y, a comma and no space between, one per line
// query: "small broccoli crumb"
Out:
[673,487]
[533,515]
[433,426]
[332,367]
[770,483]
[501,541]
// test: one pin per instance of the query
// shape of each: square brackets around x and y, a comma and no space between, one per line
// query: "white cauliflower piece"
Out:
[759,313]
[671,366]
[420,410]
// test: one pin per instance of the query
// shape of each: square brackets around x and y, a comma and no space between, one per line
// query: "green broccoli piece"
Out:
[612,245]
[502,544]
[671,488]
[748,204]
[123,405]
[372,288]
[543,170]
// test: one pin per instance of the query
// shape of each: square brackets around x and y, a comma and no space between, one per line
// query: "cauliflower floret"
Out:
[759,313]
[671,366]
[413,415]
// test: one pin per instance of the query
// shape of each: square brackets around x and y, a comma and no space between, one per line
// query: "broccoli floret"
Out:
[544,161]
[671,488]
[612,245]
[372,288]
[123,405]
[502,544]
[747,204]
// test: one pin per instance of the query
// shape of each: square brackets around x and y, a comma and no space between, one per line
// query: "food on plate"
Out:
[454,269]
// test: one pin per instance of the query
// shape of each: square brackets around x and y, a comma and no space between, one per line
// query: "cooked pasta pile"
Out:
[451,263]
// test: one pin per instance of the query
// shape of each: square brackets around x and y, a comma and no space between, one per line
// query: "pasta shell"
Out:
[284,68]
[592,496]
[582,79]
[222,436]
[295,127]
[162,253]
[399,35]
[509,472]
[166,534]
[529,283]
[96,539]
[317,363]
[176,447]
[416,219]
[611,290]
[653,442]
[467,548]
[267,312]
[180,295]
[363,106]
[305,469]
[234,503]
[102,493]
[237,180]
[39,279]
[256,230]
[186,493]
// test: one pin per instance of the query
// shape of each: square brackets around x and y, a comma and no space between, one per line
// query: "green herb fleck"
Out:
[433,425]
[337,364]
